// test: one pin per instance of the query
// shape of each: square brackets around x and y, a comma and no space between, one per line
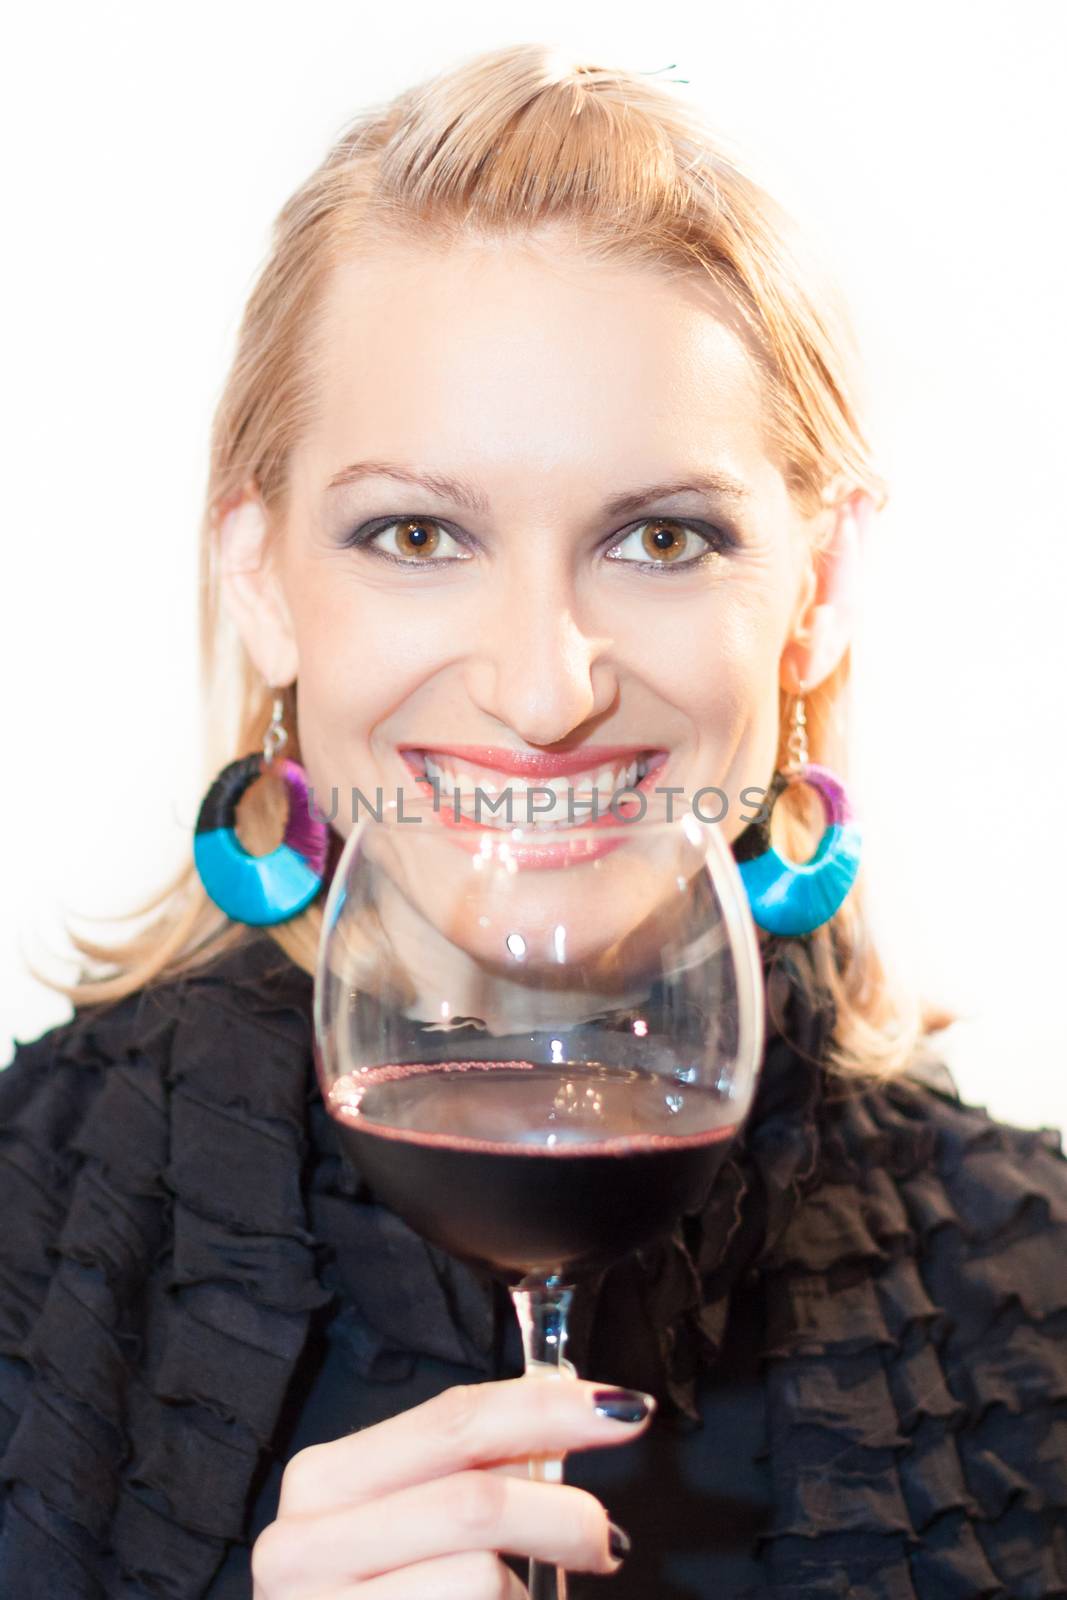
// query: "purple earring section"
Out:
[831,790]
[304,833]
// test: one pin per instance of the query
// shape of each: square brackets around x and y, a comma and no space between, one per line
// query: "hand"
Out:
[418,1507]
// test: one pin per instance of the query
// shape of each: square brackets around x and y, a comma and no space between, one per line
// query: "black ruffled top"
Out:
[166,1186]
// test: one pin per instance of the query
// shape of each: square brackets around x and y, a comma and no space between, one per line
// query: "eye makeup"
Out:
[718,541]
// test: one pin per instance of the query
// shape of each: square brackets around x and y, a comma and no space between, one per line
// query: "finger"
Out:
[521,1468]
[473,1575]
[466,1426]
[299,1557]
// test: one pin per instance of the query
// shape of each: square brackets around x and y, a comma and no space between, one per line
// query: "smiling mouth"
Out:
[490,792]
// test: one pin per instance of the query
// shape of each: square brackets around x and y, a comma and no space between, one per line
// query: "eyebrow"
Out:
[466,495]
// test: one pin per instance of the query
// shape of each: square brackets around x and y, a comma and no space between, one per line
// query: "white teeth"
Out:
[572,796]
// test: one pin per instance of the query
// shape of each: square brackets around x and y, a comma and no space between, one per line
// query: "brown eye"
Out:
[663,541]
[409,542]
[416,538]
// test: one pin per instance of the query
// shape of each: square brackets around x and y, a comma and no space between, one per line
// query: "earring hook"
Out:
[276,736]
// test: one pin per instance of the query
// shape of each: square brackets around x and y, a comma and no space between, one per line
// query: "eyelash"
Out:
[718,540]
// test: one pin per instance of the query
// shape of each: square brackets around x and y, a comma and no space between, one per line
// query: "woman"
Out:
[507,320]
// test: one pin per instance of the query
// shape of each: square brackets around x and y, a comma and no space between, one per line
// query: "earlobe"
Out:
[252,592]
[825,627]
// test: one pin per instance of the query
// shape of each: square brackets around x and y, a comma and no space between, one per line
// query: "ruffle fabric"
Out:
[158,1289]
[916,1359]
[158,1286]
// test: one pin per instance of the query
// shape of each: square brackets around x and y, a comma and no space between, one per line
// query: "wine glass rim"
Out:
[699,831]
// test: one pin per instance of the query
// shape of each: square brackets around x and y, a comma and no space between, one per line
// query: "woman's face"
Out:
[458,569]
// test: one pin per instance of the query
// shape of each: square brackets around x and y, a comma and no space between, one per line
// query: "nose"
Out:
[534,666]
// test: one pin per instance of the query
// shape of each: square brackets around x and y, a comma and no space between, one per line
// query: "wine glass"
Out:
[537,1041]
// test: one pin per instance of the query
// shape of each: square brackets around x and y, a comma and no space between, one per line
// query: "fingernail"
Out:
[623,1405]
[619,1541]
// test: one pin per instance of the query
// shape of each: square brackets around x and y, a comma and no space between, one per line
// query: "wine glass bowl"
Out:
[537,1059]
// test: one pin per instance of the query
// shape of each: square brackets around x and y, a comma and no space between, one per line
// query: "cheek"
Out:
[716,661]
[359,658]
[718,669]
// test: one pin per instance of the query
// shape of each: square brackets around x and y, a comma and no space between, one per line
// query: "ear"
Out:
[252,591]
[826,611]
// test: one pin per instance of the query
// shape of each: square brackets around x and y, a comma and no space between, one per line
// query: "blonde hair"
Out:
[505,142]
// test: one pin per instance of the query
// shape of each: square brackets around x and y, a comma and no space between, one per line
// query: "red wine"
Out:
[521,1168]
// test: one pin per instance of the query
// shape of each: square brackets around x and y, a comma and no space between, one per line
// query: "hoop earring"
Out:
[789,897]
[260,890]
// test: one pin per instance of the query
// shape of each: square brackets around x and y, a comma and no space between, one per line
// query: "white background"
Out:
[145,153]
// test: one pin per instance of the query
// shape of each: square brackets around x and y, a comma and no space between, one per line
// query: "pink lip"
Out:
[532,763]
[533,852]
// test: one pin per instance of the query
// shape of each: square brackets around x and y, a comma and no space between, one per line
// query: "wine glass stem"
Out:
[541,1305]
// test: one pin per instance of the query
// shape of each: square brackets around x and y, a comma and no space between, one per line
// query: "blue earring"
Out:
[789,897]
[260,890]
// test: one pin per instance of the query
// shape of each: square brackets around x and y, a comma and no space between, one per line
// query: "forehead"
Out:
[531,353]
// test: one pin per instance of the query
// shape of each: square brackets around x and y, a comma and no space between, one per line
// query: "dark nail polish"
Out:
[621,1405]
[619,1541]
